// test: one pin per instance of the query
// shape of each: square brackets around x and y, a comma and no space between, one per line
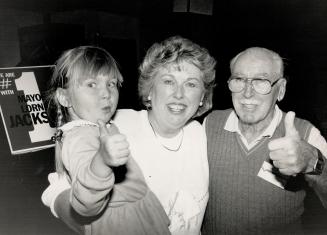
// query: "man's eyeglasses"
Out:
[261,86]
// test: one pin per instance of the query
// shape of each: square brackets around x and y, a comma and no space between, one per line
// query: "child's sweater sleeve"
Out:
[90,193]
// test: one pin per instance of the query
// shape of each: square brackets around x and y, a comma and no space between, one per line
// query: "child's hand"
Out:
[114,146]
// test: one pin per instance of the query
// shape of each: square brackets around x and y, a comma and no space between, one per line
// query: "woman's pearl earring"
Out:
[201,103]
[148,103]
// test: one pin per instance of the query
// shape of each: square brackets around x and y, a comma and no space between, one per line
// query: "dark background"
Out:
[35,32]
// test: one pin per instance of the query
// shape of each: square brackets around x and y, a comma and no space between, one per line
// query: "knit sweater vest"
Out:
[240,202]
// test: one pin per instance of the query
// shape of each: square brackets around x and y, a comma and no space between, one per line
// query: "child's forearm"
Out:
[99,167]
[90,192]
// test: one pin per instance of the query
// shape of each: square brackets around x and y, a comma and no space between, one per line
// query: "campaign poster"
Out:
[23,110]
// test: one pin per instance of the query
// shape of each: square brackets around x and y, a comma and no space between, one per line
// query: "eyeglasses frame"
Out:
[246,80]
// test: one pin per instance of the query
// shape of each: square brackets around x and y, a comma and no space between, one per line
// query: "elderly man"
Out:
[260,158]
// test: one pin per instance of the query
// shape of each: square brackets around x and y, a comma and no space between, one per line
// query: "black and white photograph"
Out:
[163,117]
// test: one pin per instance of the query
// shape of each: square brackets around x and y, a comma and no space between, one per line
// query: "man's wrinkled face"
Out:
[251,107]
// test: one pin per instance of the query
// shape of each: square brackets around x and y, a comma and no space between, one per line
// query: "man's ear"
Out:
[282,89]
[63,98]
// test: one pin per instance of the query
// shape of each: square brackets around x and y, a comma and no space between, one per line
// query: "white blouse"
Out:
[178,178]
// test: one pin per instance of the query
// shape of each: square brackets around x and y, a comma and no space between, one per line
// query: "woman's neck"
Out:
[159,130]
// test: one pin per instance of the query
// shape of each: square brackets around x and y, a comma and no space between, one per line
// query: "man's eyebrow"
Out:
[263,74]
[257,75]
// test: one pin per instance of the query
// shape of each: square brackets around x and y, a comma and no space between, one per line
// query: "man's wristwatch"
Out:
[319,166]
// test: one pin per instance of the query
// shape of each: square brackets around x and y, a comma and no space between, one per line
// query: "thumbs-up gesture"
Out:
[291,154]
[113,145]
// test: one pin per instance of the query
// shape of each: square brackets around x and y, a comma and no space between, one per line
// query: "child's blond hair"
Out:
[72,67]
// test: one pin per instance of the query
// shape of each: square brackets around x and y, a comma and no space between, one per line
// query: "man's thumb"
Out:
[290,129]
[103,129]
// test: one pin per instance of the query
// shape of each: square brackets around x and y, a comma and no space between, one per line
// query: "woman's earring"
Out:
[148,103]
[201,103]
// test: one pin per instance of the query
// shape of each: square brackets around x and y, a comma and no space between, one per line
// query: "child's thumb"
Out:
[103,129]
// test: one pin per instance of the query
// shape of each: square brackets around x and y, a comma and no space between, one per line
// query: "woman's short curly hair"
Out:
[172,51]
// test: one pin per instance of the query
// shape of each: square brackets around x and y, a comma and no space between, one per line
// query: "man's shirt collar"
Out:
[232,126]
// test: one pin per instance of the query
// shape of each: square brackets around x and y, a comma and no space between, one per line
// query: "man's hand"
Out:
[291,154]
[115,147]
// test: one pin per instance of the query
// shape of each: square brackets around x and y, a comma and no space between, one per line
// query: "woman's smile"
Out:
[176,107]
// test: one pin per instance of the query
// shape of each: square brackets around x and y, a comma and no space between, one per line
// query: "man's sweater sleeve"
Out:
[319,182]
